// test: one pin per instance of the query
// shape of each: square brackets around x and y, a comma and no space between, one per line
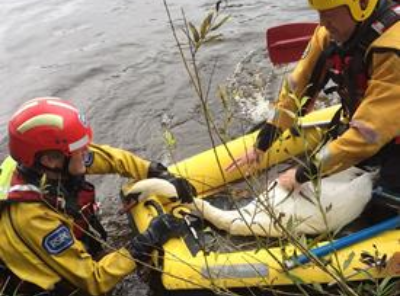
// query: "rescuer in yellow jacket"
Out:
[50,234]
[356,49]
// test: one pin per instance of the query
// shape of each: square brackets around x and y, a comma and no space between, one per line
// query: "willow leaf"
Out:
[206,25]
[169,138]
[220,23]
[195,33]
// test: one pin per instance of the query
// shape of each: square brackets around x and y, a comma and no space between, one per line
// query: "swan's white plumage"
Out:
[342,198]
[152,186]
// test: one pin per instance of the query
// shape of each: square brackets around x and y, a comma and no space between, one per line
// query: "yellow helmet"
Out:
[358,13]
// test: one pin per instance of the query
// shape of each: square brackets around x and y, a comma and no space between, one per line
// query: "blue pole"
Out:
[344,242]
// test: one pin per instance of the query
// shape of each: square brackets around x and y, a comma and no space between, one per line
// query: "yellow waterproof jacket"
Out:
[109,160]
[376,120]
[37,243]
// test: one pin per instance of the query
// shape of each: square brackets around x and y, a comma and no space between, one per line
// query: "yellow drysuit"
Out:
[376,120]
[38,245]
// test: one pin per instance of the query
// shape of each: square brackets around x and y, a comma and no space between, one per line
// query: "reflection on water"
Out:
[117,59]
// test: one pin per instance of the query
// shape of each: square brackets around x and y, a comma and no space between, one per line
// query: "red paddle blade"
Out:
[286,43]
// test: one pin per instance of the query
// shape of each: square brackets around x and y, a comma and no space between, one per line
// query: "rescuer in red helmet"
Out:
[50,234]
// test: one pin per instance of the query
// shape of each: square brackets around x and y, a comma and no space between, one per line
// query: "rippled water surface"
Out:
[118,60]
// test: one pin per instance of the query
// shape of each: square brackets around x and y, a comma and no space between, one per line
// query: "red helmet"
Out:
[44,124]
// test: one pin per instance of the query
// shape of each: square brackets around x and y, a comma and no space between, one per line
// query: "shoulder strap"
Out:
[318,78]
[7,169]
[386,16]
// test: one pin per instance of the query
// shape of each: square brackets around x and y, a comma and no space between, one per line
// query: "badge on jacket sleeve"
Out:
[58,240]
[89,158]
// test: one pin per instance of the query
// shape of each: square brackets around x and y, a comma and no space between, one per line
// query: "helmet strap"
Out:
[30,175]
[65,168]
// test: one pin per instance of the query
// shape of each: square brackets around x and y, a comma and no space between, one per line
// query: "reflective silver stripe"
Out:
[26,187]
[49,100]
[378,27]
[79,144]
[324,155]
[61,104]
[235,271]
[26,106]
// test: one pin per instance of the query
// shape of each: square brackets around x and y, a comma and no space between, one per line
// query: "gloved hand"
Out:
[184,189]
[158,170]
[161,229]
[267,136]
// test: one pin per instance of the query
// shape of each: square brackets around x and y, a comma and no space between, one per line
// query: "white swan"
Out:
[342,198]
[142,189]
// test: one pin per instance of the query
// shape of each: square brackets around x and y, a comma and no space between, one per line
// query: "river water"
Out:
[117,59]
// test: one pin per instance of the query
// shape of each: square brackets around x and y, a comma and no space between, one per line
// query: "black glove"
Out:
[185,190]
[160,230]
[158,170]
[307,172]
[267,136]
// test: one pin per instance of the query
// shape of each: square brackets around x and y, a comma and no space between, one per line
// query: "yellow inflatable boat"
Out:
[189,264]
